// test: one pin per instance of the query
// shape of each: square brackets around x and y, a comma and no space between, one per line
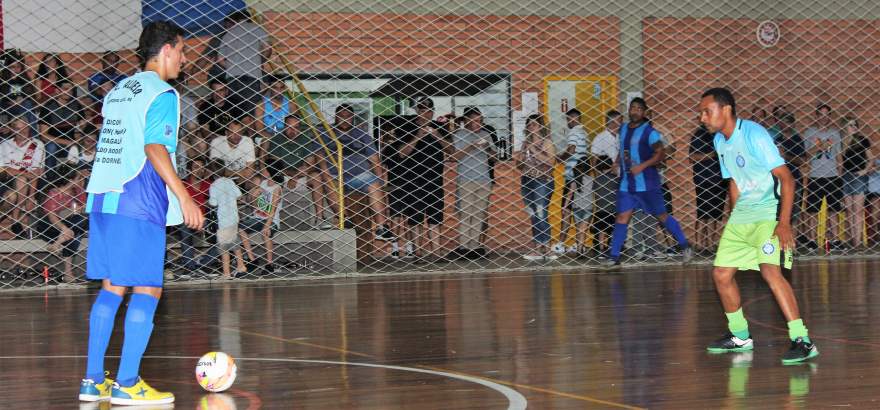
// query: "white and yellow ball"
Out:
[216,371]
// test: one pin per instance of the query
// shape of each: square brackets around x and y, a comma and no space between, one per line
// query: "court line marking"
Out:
[488,379]
[516,401]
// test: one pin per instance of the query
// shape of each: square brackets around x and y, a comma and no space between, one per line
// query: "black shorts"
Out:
[828,188]
[416,206]
[603,221]
[396,203]
[711,196]
[253,225]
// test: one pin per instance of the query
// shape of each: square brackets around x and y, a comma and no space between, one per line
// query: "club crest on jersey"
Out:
[768,248]
[740,161]
[168,130]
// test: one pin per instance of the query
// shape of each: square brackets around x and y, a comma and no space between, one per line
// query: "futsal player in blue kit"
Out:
[134,193]
[641,151]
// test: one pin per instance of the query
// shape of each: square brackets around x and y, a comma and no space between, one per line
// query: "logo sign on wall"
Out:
[768,34]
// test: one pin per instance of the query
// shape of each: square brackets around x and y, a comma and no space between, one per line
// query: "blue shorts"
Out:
[128,251]
[361,182]
[651,202]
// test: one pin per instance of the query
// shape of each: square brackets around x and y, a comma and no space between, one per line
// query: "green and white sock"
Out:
[797,329]
[737,324]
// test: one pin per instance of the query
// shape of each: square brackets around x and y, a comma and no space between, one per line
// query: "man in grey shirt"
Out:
[243,49]
[473,149]
[823,146]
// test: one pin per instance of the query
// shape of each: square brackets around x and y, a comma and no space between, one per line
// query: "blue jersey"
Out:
[636,146]
[145,196]
[748,156]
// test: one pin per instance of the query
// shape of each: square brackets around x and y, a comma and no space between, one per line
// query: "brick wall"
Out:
[832,61]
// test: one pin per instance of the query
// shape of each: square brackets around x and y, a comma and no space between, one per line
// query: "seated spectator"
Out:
[102,81]
[360,166]
[22,159]
[267,203]
[81,154]
[217,110]
[473,149]
[224,195]
[274,108]
[236,151]
[14,79]
[63,223]
[58,121]
[23,104]
[50,74]
[243,49]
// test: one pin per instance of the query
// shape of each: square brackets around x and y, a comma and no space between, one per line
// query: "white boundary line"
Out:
[515,399]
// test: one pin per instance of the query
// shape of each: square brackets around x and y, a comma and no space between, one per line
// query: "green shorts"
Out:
[745,246]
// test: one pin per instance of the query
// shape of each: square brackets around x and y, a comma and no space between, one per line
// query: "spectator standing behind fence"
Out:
[109,75]
[855,163]
[422,155]
[710,189]
[224,195]
[823,144]
[361,166]
[641,150]
[22,159]
[295,151]
[59,119]
[14,78]
[874,196]
[267,202]
[472,152]
[791,147]
[63,222]
[604,149]
[236,150]
[198,187]
[577,147]
[243,49]
[23,104]
[536,159]
[50,74]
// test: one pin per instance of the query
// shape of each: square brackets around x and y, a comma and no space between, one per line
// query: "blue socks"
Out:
[138,327]
[617,240]
[674,228]
[101,322]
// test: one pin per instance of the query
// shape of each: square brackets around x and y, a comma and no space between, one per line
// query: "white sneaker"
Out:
[573,249]
[531,257]
[559,248]
[551,257]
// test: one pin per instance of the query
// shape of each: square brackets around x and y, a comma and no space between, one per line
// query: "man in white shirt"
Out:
[236,150]
[607,143]
[22,165]
[578,148]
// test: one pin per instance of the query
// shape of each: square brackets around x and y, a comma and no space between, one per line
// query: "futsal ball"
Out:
[216,371]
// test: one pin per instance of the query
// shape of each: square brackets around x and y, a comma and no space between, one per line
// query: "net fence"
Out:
[336,137]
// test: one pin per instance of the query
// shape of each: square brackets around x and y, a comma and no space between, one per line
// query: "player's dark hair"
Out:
[155,36]
[723,97]
[344,107]
[640,101]
[574,112]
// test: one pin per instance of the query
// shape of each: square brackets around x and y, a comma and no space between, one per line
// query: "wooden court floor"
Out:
[572,340]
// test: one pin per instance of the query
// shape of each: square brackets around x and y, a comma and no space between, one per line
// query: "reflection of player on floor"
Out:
[641,150]
[758,234]
[134,193]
